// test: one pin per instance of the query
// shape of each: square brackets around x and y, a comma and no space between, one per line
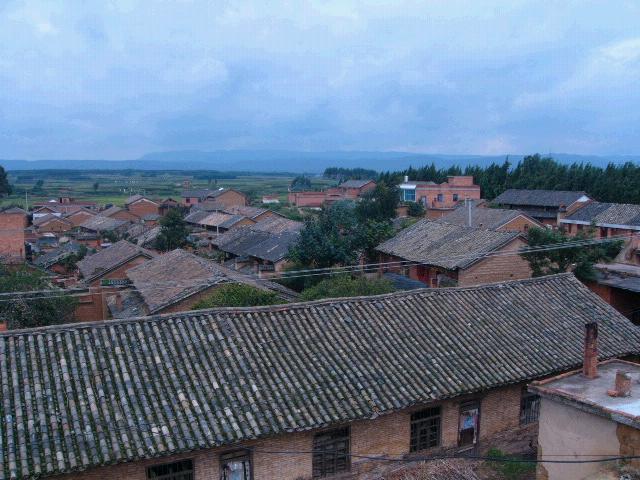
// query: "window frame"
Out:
[455,197]
[321,470]
[405,196]
[236,455]
[185,475]
[440,198]
[415,424]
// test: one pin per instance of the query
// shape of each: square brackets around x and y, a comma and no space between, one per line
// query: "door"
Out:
[469,424]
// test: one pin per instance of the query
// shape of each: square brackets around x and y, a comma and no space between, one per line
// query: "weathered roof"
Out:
[213,219]
[254,242]
[622,214]
[13,210]
[355,183]
[112,210]
[80,210]
[103,261]
[489,218]
[100,223]
[135,198]
[176,275]
[82,395]
[48,218]
[196,193]
[538,198]
[148,237]
[277,224]
[54,256]
[444,244]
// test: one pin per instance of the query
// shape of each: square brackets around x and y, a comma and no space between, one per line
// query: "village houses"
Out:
[546,206]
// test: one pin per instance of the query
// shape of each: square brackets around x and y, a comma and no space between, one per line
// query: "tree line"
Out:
[618,183]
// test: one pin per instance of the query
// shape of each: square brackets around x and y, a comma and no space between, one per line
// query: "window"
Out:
[235,466]
[425,429]
[182,470]
[331,452]
[408,195]
[469,424]
[440,197]
[455,197]
[529,408]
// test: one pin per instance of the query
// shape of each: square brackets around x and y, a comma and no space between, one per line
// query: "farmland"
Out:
[113,187]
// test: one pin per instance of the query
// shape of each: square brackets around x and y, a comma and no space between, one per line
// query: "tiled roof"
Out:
[489,218]
[444,244]
[355,183]
[196,193]
[101,223]
[82,395]
[176,275]
[48,218]
[135,198]
[54,256]
[254,242]
[13,210]
[538,198]
[277,224]
[148,237]
[213,219]
[105,260]
[607,214]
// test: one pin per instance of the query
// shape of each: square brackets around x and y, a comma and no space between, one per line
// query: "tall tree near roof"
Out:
[5,187]
[173,231]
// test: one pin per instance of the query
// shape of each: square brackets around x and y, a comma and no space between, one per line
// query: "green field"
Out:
[115,186]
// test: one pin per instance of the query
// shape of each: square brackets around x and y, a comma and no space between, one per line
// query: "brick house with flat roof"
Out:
[266,392]
[439,198]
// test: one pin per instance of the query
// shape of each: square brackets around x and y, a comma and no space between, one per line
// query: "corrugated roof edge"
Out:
[299,305]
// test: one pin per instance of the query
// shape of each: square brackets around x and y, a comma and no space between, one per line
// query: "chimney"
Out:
[406,178]
[590,364]
[623,385]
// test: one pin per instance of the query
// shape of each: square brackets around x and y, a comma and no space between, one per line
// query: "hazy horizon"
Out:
[123,78]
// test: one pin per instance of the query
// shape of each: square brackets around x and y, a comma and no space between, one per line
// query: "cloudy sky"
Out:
[120,78]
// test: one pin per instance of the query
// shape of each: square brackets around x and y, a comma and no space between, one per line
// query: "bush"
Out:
[509,470]
[346,286]
[415,209]
[238,295]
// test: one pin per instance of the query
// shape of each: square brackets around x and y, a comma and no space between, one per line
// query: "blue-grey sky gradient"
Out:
[120,78]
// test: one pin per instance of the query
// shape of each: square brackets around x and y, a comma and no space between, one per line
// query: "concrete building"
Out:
[349,190]
[590,414]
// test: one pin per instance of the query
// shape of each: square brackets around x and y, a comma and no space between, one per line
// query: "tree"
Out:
[415,209]
[96,185]
[579,259]
[173,231]
[50,307]
[300,183]
[5,187]
[379,204]
[238,295]
[38,187]
[346,286]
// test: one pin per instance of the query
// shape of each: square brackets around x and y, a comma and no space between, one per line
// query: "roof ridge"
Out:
[291,306]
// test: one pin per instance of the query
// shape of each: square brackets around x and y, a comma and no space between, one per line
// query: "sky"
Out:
[115,79]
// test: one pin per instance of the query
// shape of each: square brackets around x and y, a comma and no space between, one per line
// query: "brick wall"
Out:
[55,225]
[125,215]
[497,269]
[79,218]
[12,237]
[143,207]
[390,434]
[231,198]
[519,224]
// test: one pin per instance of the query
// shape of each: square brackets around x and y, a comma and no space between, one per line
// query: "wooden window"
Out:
[331,452]
[469,424]
[425,429]
[182,470]
[529,407]
[235,466]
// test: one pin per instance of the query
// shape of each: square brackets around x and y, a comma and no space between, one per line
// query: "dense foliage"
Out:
[25,311]
[238,295]
[614,183]
[379,204]
[5,187]
[346,286]
[579,259]
[342,174]
[300,183]
[173,231]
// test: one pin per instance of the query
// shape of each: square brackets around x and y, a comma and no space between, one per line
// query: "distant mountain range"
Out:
[292,161]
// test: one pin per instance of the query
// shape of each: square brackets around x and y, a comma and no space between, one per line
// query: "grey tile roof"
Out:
[538,198]
[82,395]
[135,198]
[54,256]
[355,183]
[12,210]
[251,241]
[107,212]
[103,261]
[101,223]
[607,214]
[444,244]
[489,218]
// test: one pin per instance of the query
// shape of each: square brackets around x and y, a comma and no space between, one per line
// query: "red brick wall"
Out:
[143,207]
[390,434]
[306,199]
[519,224]
[125,215]
[55,226]
[231,198]
[497,269]
[78,218]
[12,237]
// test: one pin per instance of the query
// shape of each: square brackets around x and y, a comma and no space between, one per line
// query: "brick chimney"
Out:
[623,385]
[590,362]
